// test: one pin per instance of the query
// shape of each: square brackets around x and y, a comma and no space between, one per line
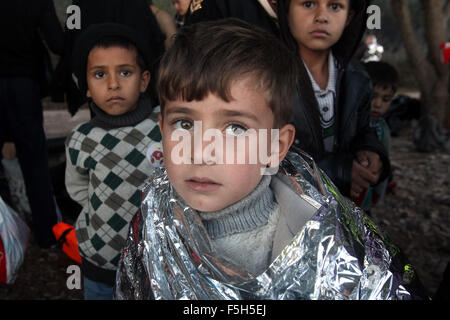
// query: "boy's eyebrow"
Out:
[223,113]
[237,113]
[179,109]
[127,65]
[97,67]
[120,66]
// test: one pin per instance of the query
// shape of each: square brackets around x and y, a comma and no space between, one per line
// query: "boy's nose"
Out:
[376,103]
[113,83]
[321,14]
[205,149]
[204,153]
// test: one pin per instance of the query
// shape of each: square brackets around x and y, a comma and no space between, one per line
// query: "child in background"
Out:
[384,78]
[213,227]
[182,8]
[166,23]
[331,110]
[106,157]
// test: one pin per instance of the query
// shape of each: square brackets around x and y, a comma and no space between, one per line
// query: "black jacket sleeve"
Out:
[51,28]
[354,131]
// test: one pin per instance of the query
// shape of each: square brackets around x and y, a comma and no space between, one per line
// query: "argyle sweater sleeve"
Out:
[76,179]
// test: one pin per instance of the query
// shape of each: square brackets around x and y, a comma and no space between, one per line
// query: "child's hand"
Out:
[362,178]
[9,151]
[370,160]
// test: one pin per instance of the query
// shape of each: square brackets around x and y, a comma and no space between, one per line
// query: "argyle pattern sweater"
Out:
[104,171]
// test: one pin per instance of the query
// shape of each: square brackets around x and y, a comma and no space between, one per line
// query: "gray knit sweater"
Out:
[244,231]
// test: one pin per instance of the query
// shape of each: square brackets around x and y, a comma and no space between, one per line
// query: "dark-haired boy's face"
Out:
[381,100]
[318,24]
[204,166]
[114,79]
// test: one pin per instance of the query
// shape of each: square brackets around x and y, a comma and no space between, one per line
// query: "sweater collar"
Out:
[131,118]
[247,214]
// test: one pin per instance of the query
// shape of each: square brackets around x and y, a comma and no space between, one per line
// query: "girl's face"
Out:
[318,24]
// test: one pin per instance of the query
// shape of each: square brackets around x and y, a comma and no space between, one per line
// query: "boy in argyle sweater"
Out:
[106,156]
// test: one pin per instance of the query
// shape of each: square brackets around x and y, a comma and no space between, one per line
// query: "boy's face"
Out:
[114,79]
[318,24]
[381,100]
[203,182]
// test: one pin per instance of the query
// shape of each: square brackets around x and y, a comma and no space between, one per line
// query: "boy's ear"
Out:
[285,140]
[88,93]
[145,79]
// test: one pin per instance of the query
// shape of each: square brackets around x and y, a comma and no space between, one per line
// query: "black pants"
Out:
[21,121]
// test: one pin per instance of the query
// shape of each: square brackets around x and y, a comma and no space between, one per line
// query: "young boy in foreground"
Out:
[214,227]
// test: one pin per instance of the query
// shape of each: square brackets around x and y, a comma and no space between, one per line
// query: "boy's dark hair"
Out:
[382,74]
[207,57]
[106,35]
[112,41]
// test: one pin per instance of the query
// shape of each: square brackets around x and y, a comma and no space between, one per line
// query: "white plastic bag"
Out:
[16,185]
[14,236]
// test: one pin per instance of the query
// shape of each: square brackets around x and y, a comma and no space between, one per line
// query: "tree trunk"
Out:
[431,74]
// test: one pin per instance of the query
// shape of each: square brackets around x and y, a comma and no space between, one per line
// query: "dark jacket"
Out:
[249,10]
[22,52]
[352,106]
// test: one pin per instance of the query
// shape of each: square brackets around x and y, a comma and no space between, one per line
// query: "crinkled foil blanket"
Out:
[338,254]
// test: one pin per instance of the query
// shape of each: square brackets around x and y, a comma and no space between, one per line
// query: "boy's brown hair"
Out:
[207,57]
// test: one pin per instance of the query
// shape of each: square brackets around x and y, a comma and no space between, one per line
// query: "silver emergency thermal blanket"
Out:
[338,253]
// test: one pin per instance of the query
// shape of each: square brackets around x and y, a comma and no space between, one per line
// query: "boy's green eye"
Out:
[235,129]
[183,125]
[125,73]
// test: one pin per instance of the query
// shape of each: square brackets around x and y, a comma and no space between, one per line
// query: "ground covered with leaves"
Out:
[417,216]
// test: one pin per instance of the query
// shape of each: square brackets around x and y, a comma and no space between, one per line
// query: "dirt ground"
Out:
[416,218]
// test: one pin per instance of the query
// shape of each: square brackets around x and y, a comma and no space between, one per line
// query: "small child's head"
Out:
[233,82]
[384,78]
[111,67]
[181,6]
[318,25]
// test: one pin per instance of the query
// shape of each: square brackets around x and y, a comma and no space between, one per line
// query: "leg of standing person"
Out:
[21,103]
[94,290]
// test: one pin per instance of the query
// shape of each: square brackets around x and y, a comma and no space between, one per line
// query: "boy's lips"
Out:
[115,99]
[320,33]
[374,114]
[202,184]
